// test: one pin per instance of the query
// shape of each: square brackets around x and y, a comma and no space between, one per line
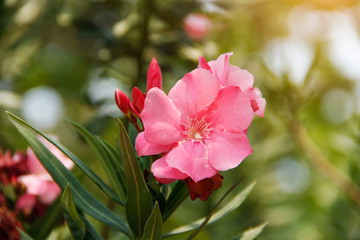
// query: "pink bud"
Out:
[122,101]
[197,26]
[138,99]
[154,77]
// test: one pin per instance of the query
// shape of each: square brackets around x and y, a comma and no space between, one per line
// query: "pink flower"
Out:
[197,26]
[199,126]
[229,75]
[39,182]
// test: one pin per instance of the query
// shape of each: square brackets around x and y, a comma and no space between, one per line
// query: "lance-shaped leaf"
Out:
[23,235]
[110,165]
[73,220]
[153,226]
[83,199]
[95,178]
[80,228]
[252,233]
[216,214]
[177,196]
[138,204]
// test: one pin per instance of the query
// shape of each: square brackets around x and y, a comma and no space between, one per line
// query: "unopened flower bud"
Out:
[154,77]
[138,99]
[123,102]
[203,188]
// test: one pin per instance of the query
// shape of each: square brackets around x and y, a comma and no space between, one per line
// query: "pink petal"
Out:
[26,202]
[261,104]
[257,101]
[34,184]
[191,158]
[227,150]
[195,92]
[164,173]
[203,64]
[162,121]
[144,148]
[52,192]
[231,110]
[221,67]
[33,163]
[240,78]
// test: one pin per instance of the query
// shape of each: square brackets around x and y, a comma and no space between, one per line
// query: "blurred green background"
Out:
[64,58]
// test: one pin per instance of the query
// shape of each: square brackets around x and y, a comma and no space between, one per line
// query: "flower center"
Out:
[197,128]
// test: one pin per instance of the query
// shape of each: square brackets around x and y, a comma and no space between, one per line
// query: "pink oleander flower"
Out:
[199,128]
[229,75]
[197,26]
[39,183]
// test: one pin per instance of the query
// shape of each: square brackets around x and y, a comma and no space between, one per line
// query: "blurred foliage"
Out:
[306,148]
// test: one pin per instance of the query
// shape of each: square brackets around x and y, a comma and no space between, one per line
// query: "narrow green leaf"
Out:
[115,160]
[23,235]
[177,196]
[153,226]
[75,223]
[83,199]
[95,178]
[112,170]
[216,214]
[138,204]
[252,233]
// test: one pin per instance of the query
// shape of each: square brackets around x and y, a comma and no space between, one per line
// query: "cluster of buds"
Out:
[11,168]
[33,188]
[132,109]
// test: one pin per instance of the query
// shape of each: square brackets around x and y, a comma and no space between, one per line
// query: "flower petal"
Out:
[231,110]
[194,92]
[227,150]
[221,67]
[161,119]
[191,158]
[240,78]
[144,148]
[164,173]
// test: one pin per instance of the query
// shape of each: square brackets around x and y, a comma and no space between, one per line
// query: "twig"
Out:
[321,163]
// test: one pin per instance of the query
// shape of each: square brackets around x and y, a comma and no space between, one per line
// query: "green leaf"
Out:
[138,204]
[23,235]
[252,233]
[96,179]
[216,214]
[177,196]
[111,168]
[82,198]
[75,224]
[153,226]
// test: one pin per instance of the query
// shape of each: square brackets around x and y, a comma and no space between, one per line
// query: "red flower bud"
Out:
[203,188]
[154,77]
[123,102]
[138,99]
